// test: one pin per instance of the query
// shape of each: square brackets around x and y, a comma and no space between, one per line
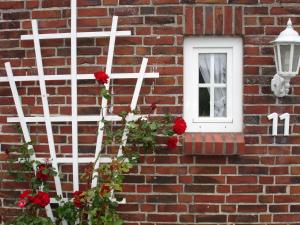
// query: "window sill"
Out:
[213,143]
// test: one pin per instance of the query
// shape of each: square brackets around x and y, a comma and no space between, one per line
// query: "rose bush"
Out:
[96,205]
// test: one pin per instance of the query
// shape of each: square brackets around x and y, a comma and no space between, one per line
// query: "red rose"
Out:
[179,126]
[153,107]
[25,194]
[22,203]
[41,198]
[104,189]
[77,199]
[172,142]
[42,172]
[101,76]
[6,151]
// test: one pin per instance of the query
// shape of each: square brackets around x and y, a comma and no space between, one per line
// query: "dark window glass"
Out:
[204,102]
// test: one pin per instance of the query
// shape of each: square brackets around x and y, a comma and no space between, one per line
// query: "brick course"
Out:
[261,186]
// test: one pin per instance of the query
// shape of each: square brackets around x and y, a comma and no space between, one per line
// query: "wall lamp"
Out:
[287,54]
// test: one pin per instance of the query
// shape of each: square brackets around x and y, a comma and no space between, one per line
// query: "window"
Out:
[213,84]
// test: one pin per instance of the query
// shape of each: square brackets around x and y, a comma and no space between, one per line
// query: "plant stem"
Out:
[81,217]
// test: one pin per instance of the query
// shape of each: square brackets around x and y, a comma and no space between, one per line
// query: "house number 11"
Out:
[285,117]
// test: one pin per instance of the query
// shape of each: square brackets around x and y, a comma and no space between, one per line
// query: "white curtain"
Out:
[219,77]
[220,93]
[204,66]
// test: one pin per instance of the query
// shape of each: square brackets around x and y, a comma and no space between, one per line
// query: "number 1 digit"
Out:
[274,117]
[286,118]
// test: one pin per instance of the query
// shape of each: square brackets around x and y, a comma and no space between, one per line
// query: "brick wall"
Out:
[258,187]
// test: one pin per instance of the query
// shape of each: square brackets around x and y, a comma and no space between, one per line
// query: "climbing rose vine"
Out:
[94,205]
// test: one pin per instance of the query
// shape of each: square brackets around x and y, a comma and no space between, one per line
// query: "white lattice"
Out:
[74,77]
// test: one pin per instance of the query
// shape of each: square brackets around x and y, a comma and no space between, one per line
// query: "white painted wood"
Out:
[134,101]
[274,117]
[286,118]
[74,118]
[16,97]
[212,81]
[80,77]
[109,60]
[79,35]
[74,95]
[54,200]
[22,121]
[233,48]
[138,85]
[69,160]
[90,118]
[104,100]
[215,85]
[45,104]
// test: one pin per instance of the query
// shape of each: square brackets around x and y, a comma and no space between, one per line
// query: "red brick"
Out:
[189,23]
[163,2]
[11,5]
[238,20]
[256,10]
[241,198]
[219,14]
[209,198]
[250,21]
[41,14]
[211,218]
[266,20]
[228,20]
[243,1]
[284,10]
[159,19]
[55,3]
[241,179]
[295,190]
[202,208]
[159,40]
[286,217]
[209,22]
[228,208]
[252,208]
[170,10]
[199,20]
[172,208]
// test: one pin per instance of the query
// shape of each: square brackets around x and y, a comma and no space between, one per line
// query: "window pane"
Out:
[285,57]
[220,102]
[220,67]
[296,57]
[204,68]
[204,102]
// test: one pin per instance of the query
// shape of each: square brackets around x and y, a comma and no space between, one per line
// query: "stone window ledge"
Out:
[213,143]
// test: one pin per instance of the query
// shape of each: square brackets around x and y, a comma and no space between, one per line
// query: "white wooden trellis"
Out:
[74,77]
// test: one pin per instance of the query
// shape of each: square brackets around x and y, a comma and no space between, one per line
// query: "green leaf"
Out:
[105,93]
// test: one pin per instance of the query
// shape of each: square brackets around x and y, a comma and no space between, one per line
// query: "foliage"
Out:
[28,219]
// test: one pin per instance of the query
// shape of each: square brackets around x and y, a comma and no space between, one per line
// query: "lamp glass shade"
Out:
[285,52]
[296,58]
[276,58]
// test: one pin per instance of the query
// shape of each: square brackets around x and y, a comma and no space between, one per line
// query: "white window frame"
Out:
[233,47]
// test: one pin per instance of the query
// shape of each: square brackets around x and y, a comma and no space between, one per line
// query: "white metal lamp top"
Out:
[288,35]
